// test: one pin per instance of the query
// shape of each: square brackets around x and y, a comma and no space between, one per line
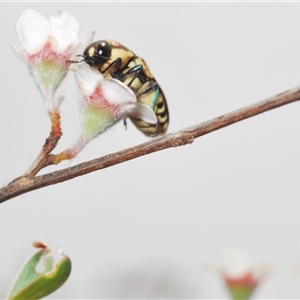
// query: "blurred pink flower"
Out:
[240,275]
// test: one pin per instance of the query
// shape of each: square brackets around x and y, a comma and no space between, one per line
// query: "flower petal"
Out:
[84,39]
[87,78]
[235,263]
[143,112]
[64,29]
[19,53]
[33,30]
[117,92]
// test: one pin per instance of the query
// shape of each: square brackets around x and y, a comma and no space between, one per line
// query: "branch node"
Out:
[181,138]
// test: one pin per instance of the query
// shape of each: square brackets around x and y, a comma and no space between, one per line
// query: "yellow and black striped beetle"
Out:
[116,61]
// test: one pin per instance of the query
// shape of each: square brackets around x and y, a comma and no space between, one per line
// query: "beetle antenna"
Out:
[76,61]
[103,57]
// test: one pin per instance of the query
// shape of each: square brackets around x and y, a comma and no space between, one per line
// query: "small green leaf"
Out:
[33,285]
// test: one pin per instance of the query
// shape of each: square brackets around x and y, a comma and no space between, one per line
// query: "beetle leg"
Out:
[125,123]
[149,88]
[116,64]
[135,71]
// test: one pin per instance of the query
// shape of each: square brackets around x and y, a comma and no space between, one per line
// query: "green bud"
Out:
[31,284]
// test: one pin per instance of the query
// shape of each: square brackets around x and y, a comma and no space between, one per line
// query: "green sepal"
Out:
[239,292]
[33,285]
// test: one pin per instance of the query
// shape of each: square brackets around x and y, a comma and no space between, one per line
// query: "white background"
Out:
[142,229]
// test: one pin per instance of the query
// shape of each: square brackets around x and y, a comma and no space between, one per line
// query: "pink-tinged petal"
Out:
[117,92]
[235,263]
[18,52]
[143,112]
[84,39]
[64,30]
[87,78]
[33,30]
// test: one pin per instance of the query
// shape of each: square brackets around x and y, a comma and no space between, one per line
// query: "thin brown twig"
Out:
[49,145]
[25,184]
[42,158]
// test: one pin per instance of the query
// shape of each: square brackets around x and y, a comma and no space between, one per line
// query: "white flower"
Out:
[46,46]
[106,101]
[103,103]
[240,275]
[236,264]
